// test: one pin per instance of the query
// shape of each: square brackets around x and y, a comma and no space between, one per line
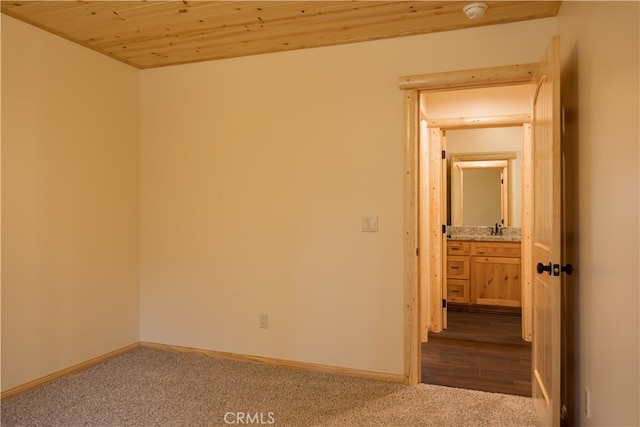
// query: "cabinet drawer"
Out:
[458,248]
[501,249]
[457,267]
[458,290]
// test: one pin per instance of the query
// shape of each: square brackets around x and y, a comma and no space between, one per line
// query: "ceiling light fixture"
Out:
[475,10]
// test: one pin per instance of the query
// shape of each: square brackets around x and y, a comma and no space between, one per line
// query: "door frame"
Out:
[416,287]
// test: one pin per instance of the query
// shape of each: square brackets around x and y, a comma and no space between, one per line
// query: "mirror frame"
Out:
[460,162]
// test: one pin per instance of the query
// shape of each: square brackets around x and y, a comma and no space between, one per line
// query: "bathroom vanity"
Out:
[484,271]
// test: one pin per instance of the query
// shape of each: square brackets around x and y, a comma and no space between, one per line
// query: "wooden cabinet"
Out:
[458,248]
[496,281]
[484,273]
[458,290]
[503,249]
[458,267]
[458,264]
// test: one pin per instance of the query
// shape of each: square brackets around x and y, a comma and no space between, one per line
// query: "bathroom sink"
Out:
[485,238]
[483,234]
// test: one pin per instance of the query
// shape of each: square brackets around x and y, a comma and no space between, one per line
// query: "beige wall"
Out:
[70,129]
[601,41]
[255,173]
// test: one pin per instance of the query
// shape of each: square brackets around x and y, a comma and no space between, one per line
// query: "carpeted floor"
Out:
[150,387]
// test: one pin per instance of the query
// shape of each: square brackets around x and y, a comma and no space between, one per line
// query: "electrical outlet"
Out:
[587,402]
[263,320]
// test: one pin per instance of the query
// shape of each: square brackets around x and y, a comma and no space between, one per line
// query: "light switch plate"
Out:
[370,223]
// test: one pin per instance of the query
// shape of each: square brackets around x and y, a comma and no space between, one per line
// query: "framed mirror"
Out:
[485,145]
[481,189]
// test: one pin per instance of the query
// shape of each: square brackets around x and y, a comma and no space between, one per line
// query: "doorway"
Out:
[425,307]
[425,224]
[477,324]
[476,234]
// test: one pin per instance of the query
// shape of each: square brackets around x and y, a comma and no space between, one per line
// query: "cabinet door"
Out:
[495,281]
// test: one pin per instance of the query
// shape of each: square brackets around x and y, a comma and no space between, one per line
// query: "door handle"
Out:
[541,268]
[557,269]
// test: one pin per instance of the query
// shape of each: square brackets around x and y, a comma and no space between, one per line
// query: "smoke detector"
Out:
[475,10]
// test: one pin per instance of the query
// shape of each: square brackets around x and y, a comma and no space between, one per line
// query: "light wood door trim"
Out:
[411,271]
[437,278]
[412,86]
[424,271]
[525,234]
[443,234]
[480,122]
[467,79]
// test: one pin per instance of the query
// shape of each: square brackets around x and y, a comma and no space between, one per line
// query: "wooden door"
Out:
[546,238]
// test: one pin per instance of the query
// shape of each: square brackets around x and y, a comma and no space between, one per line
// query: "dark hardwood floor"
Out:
[479,351]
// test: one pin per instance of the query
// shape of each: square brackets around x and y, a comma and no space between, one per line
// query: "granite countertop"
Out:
[483,234]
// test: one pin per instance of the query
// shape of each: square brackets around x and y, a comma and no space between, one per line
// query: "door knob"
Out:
[541,268]
[557,269]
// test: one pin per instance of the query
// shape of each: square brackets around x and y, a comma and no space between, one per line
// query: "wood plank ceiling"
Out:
[149,34]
